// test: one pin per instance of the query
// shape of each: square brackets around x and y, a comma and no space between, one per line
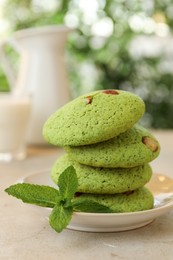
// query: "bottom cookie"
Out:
[137,200]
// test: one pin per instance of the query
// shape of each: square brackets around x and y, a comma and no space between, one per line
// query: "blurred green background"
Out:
[116,44]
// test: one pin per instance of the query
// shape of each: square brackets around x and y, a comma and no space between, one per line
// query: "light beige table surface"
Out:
[26,235]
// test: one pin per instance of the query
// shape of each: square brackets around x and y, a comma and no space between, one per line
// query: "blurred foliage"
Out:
[101,52]
[4,87]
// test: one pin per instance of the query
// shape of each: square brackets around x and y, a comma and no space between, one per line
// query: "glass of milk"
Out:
[14,120]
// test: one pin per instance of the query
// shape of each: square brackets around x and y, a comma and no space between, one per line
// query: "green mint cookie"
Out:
[134,147]
[93,118]
[104,180]
[138,200]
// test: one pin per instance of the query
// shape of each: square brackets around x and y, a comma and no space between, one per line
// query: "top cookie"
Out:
[95,117]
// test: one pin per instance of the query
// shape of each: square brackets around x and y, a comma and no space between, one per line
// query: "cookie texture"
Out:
[93,118]
[104,180]
[138,200]
[132,148]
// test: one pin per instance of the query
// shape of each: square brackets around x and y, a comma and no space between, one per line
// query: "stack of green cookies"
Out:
[108,149]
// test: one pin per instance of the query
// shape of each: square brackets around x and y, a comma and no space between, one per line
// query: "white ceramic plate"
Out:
[161,186]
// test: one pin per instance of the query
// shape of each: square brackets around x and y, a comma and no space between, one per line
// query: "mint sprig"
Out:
[61,200]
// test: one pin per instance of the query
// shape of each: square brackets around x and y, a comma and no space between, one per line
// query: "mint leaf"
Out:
[68,183]
[40,195]
[60,217]
[88,205]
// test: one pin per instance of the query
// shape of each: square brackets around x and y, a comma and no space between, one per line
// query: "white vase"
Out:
[42,73]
